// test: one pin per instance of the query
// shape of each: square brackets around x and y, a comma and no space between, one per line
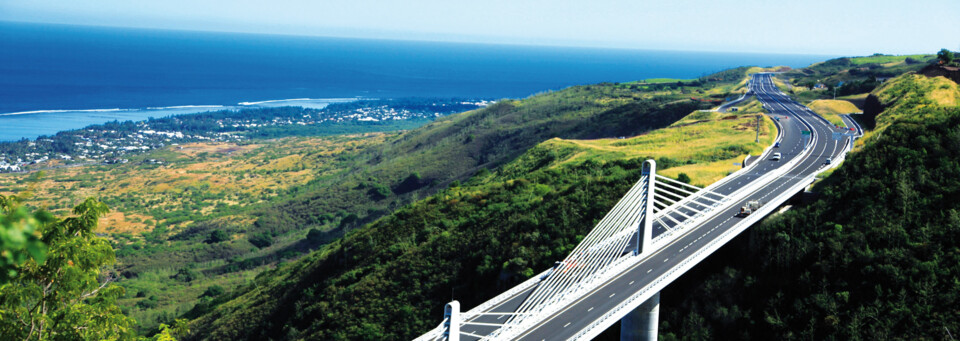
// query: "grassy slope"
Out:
[888,59]
[388,280]
[830,109]
[876,257]
[198,183]
[711,142]
[912,91]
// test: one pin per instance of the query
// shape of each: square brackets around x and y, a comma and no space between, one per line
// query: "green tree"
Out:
[217,236]
[261,240]
[19,232]
[945,56]
[66,295]
[683,177]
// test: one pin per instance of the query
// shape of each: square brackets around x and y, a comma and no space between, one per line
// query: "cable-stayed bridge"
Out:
[659,229]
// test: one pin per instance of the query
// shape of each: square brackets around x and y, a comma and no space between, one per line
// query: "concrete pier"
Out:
[641,324]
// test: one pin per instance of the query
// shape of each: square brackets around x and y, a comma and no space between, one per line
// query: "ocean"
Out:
[59,77]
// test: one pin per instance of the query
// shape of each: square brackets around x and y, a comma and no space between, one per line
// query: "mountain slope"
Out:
[389,280]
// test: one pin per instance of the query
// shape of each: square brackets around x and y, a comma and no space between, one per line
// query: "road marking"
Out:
[568,323]
[648,271]
[611,295]
[591,308]
[631,283]
[665,260]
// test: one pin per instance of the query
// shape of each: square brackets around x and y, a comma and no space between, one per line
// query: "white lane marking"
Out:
[648,271]
[665,260]
[631,283]
[591,308]
[568,323]
[611,295]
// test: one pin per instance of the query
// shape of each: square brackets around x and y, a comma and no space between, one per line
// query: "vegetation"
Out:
[887,59]
[275,200]
[364,237]
[848,76]
[945,56]
[473,238]
[59,285]
[877,256]
[831,109]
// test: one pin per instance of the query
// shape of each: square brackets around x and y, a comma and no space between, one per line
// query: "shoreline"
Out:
[30,124]
[240,105]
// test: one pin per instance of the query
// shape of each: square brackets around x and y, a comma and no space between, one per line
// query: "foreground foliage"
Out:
[56,287]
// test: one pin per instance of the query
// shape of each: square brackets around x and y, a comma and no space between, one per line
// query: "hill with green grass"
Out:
[544,169]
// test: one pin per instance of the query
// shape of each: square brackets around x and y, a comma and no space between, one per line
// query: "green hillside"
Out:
[876,257]
[389,280]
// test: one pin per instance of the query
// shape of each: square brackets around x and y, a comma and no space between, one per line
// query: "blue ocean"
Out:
[59,77]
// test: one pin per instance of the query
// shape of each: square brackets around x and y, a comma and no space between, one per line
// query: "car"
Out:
[776,145]
[776,157]
[827,162]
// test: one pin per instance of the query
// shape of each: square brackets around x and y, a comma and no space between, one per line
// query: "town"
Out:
[112,142]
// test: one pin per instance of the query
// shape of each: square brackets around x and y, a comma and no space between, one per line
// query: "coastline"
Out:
[35,123]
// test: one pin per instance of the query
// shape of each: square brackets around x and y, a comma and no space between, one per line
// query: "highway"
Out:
[794,119]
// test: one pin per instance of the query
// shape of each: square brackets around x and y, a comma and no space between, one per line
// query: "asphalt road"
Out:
[794,118]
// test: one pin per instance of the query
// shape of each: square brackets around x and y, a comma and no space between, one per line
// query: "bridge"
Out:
[659,229]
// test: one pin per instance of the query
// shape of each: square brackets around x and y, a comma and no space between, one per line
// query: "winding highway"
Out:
[801,129]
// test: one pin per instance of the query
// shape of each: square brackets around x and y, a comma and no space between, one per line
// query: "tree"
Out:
[315,236]
[945,56]
[18,233]
[261,240]
[217,236]
[683,177]
[66,294]
[213,291]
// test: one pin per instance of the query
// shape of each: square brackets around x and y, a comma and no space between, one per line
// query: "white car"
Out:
[776,157]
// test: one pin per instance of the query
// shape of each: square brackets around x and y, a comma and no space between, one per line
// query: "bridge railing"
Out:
[613,315]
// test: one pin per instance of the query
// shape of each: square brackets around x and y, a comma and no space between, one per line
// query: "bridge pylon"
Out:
[645,227]
[451,321]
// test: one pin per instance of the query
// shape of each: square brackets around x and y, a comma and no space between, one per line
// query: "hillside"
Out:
[877,256]
[195,220]
[848,76]
[390,279]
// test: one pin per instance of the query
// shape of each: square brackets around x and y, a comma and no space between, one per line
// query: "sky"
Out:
[828,27]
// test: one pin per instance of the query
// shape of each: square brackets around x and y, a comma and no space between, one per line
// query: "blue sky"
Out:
[834,27]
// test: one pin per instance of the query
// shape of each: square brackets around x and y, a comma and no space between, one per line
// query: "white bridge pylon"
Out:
[653,212]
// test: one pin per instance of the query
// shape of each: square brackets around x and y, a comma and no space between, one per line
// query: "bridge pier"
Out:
[641,324]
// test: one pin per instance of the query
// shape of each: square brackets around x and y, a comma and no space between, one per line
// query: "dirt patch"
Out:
[951,73]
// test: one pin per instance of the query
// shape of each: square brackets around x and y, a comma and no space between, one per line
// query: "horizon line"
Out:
[432,40]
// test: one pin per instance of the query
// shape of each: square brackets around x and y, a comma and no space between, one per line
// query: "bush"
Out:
[217,236]
[213,291]
[261,240]
[315,236]
[185,275]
